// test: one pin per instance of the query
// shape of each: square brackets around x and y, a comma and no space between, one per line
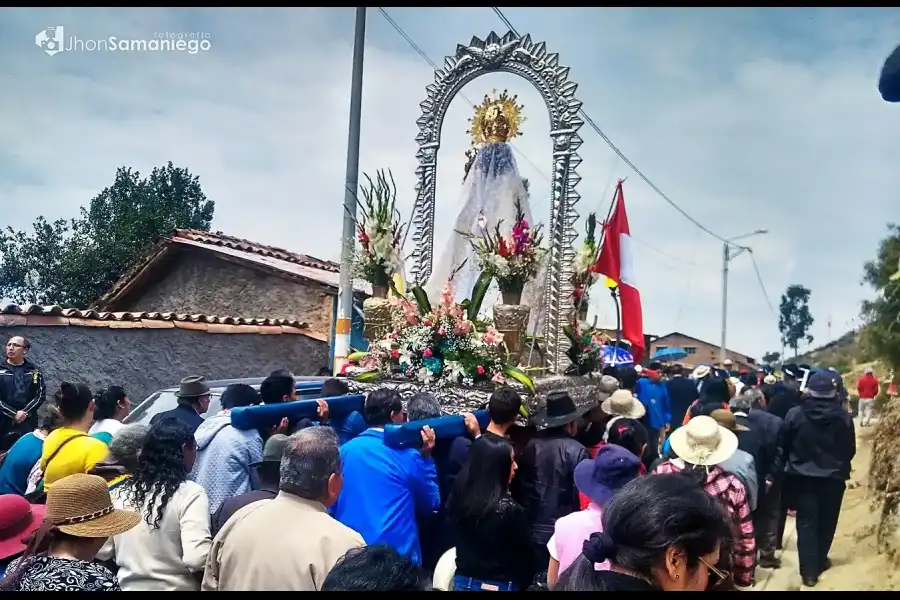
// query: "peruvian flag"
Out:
[616,262]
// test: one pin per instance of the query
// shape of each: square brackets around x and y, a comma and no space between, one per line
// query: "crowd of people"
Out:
[663,480]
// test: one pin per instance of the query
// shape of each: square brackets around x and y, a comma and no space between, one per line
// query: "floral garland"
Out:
[585,349]
[512,259]
[379,232]
[442,345]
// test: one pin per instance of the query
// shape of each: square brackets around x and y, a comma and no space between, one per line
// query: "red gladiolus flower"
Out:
[395,354]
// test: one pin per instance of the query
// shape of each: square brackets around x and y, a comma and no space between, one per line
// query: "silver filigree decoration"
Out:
[523,57]
[455,399]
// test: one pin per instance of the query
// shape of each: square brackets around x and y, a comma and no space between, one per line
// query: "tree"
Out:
[771,358]
[795,320]
[882,315]
[73,263]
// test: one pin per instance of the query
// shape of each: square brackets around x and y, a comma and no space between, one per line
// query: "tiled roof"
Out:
[220,239]
[13,315]
[276,260]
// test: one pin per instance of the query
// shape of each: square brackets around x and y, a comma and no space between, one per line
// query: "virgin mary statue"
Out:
[490,191]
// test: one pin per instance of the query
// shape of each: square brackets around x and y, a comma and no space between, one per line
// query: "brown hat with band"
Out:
[80,505]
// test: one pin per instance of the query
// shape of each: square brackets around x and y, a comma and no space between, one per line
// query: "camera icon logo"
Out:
[50,40]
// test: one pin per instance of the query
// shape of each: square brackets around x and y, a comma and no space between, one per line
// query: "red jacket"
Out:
[867,387]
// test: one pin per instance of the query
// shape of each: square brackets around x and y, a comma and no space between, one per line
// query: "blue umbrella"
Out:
[669,354]
[616,356]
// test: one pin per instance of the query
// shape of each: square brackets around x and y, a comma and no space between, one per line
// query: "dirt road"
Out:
[856,565]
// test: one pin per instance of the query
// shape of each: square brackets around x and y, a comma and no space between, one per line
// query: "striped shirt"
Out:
[729,490]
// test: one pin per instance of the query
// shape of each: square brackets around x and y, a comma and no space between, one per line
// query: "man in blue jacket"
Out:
[385,489]
[654,395]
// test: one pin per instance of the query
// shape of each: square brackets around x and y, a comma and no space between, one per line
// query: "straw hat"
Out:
[703,442]
[623,404]
[80,505]
[700,372]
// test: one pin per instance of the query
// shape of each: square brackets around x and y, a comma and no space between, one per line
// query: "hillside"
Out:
[848,355]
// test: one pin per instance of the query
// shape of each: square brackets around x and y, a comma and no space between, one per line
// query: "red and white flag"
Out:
[616,262]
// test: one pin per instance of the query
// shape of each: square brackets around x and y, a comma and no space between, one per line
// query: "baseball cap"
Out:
[822,385]
[274,449]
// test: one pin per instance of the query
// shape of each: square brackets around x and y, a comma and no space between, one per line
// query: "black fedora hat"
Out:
[559,410]
[193,387]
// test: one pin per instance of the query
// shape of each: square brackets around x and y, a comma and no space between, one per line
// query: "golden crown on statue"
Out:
[497,119]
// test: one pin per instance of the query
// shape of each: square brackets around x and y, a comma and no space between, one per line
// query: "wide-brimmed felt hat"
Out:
[274,449]
[559,410]
[193,387]
[18,520]
[80,505]
[703,442]
[623,404]
[726,419]
[610,470]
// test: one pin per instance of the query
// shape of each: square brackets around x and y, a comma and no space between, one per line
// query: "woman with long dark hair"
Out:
[111,406]
[659,534]
[493,548]
[168,548]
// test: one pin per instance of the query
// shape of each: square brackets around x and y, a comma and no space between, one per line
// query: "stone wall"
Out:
[202,283]
[144,360]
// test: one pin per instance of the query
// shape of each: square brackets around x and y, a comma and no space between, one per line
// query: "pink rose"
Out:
[498,378]
[479,369]
[427,353]
[395,354]
[442,331]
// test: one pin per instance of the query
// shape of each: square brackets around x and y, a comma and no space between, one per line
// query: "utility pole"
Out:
[727,257]
[344,320]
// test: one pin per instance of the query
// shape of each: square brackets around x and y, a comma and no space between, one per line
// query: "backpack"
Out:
[39,495]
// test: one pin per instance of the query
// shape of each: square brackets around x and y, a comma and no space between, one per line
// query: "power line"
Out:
[620,154]
[761,284]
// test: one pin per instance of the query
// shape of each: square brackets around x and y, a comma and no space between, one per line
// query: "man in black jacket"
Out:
[819,445]
[547,471]
[889,82]
[764,440]
[682,393]
[786,394]
[21,392]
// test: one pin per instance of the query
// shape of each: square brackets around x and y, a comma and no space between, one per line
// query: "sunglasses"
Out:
[719,575]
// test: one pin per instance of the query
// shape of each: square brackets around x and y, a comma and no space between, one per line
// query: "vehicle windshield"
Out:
[163,401]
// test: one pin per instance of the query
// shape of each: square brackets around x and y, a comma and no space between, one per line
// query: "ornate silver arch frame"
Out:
[519,55]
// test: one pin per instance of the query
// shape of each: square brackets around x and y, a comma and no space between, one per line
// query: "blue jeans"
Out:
[461,583]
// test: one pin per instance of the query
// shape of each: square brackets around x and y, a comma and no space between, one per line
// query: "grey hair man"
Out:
[122,459]
[423,406]
[290,542]
[126,444]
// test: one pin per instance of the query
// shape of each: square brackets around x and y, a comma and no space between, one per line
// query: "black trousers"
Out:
[818,505]
[767,521]
[10,432]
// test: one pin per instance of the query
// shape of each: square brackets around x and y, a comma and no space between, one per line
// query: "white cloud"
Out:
[747,118]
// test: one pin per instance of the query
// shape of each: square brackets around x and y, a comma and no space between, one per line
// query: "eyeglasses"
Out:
[12,345]
[720,575]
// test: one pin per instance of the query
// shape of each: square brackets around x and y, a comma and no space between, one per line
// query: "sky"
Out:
[746,118]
